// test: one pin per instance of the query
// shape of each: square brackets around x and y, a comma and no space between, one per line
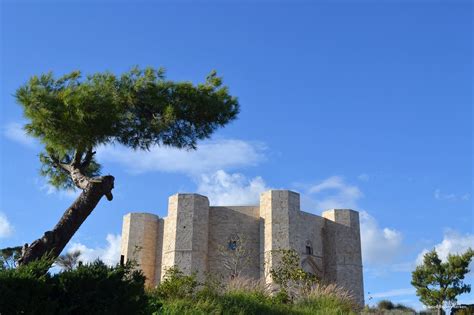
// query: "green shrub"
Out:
[190,307]
[323,305]
[281,297]
[90,289]
[28,289]
[385,305]
[98,288]
[181,294]
[211,287]
[241,302]
[404,308]
[176,285]
[289,276]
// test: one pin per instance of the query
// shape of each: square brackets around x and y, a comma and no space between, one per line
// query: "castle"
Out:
[195,237]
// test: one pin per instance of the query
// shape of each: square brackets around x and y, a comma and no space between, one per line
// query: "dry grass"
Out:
[240,284]
[316,292]
[331,291]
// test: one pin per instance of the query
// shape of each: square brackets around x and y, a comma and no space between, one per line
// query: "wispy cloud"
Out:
[334,192]
[14,131]
[453,243]
[110,254]
[62,193]
[6,228]
[231,189]
[393,293]
[363,177]
[438,195]
[209,157]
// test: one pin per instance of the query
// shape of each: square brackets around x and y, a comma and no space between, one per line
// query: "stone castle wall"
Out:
[226,222]
[195,237]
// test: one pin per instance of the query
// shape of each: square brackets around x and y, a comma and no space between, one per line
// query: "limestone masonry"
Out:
[195,237]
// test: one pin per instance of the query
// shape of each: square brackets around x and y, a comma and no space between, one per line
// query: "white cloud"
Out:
[62,193]
[393,293]
[209,157]
[15,132]
[231,189]
[379,245]
[109,254]
[438,195]
[363,177]
[334,192]
[6,228]
[453,243]
[407,266]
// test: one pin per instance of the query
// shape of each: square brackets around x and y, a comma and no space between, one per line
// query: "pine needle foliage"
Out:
[71,115]
[438,283]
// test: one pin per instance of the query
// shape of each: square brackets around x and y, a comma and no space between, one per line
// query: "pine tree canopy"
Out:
[72,115]
[439,282]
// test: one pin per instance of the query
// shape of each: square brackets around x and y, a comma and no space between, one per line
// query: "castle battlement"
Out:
[194,237]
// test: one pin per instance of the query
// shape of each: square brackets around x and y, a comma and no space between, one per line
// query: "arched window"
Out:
[233,242]
[309,248]
[232,245]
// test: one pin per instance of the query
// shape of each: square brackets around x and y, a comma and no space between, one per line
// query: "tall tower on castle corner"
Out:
[343,253]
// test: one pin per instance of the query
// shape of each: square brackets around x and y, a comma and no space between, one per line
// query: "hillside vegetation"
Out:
[99,289]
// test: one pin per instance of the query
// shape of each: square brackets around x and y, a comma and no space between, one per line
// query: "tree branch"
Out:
[88,158]
[76,160]
[58,164]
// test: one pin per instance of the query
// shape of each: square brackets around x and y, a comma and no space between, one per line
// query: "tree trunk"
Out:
[53,242]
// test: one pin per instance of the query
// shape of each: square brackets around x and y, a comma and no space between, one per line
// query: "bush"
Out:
[181,294]
[89,289]
[463,309]
[211,287]
[176,285]
[386,307]
[289,276]
[28,289]
[99,289]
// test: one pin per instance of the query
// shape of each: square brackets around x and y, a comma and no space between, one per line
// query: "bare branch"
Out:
[235,257]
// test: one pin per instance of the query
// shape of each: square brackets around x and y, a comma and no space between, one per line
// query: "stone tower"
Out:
[194,235]
[186,230]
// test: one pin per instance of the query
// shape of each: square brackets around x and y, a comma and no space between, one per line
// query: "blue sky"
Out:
[358,104]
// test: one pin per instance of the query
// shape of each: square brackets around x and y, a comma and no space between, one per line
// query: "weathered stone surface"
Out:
[193,237]
[139,242]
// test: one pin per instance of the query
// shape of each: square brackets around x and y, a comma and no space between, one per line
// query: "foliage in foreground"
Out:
[89,289]
[182,294]
[292,280]
[99,289]
[387,307]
